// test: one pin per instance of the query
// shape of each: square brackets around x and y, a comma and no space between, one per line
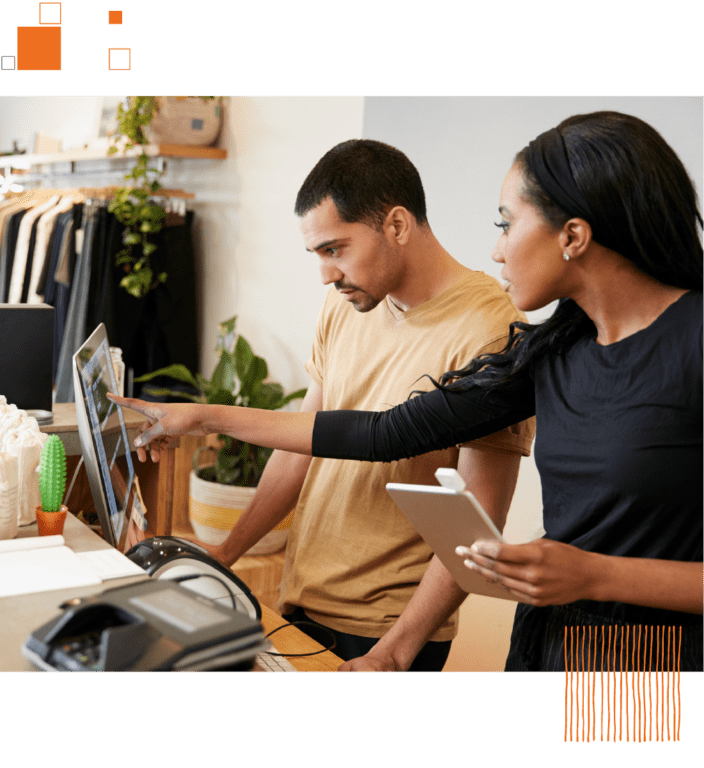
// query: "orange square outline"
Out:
[120,69]
[114,15]
[54,23]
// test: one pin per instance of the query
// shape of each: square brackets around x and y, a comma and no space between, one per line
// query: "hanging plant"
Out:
[131,204]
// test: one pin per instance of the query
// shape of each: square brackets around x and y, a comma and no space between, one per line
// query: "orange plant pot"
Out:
[51,523]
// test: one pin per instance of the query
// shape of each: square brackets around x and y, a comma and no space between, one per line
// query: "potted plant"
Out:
[51,514]
[221,490]
[143,120]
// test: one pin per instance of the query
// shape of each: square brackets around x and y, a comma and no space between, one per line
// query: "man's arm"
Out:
[491,475]
[276,494]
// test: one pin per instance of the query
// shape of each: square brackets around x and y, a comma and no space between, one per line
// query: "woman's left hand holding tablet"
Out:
[164,423]
[542,572]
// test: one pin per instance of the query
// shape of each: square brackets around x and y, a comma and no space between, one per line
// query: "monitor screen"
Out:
[103,436]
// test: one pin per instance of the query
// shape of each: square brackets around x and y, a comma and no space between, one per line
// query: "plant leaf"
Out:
[243,359]
[226,335]
[221,397]
[176,371]
[259,370]
[225,373]
[163,391]
[268,396]
[299,393]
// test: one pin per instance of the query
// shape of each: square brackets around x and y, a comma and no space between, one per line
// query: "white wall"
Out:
[463,147]
[73,119]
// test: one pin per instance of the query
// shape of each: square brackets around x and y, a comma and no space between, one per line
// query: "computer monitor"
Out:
[103,436]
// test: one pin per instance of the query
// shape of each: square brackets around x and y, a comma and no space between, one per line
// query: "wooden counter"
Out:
[22,614]
[292,640]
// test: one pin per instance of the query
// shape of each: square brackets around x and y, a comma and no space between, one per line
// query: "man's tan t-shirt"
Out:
[353,560]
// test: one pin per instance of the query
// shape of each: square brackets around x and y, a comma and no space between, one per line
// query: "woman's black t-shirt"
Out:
[618,441]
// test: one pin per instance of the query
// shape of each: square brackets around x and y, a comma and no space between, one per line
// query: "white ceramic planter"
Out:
[214,509]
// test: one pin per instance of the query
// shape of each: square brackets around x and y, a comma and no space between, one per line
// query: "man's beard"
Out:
[364,302]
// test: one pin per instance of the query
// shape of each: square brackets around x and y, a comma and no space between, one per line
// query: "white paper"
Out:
[44,569]
[31,542]
[110,564]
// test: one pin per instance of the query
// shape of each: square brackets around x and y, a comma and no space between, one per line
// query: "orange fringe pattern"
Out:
[659,678]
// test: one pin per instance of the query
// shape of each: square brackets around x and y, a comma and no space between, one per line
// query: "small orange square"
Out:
[115,17]
[38,47]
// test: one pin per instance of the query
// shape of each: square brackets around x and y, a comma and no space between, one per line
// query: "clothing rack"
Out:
[58,245]
[172,200]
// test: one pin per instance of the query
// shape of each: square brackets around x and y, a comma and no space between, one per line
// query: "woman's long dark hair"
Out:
[641,203]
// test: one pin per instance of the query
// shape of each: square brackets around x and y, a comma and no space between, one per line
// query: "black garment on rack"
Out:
[58,294]
[41,283]
[76,330]
[105,276]
[159,329]
[7,258]
[30,260]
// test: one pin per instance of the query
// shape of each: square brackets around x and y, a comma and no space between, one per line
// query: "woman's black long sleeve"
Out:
[428,422]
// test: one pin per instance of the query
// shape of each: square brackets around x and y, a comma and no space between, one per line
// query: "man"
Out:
[402,307]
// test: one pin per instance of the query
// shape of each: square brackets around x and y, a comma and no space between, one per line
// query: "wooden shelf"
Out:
[100,153]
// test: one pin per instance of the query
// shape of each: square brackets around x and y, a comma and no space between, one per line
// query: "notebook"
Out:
[44,563]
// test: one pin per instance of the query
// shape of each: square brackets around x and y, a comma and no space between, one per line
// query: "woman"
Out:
[600,214]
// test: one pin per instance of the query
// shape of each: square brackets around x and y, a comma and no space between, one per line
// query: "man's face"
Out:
[362,262]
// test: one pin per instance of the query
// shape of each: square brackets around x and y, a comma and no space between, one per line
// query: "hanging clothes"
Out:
[7,256]
[60,249]
[60,268]
[159,329]
[23,250]
[45,229]
[75,331]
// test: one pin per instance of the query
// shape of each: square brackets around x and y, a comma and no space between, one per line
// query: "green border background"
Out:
[355,48]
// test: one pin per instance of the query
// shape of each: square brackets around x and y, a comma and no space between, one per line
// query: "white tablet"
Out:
[447,518]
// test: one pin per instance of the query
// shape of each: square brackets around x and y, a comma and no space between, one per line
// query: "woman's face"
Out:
[529,248]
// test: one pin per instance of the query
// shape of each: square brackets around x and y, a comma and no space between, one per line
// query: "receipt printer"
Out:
[151,625]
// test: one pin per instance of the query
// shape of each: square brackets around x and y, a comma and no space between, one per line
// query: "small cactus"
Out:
[52,474]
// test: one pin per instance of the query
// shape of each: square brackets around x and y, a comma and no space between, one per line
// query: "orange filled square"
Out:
[115,17]
[38,47]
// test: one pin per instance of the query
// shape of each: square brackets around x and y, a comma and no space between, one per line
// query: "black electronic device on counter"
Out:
[155,624]
[169,557]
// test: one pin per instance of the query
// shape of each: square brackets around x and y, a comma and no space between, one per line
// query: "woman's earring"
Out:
[566,256]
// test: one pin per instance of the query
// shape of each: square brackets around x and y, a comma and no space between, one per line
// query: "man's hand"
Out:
[370,662]
[164,423]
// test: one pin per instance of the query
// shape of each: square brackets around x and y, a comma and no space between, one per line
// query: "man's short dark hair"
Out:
[365,179]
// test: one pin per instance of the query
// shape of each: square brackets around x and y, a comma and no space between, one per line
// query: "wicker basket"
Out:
[214,509]
[186,120]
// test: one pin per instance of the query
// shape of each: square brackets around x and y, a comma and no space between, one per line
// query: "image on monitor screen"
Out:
[103,436]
